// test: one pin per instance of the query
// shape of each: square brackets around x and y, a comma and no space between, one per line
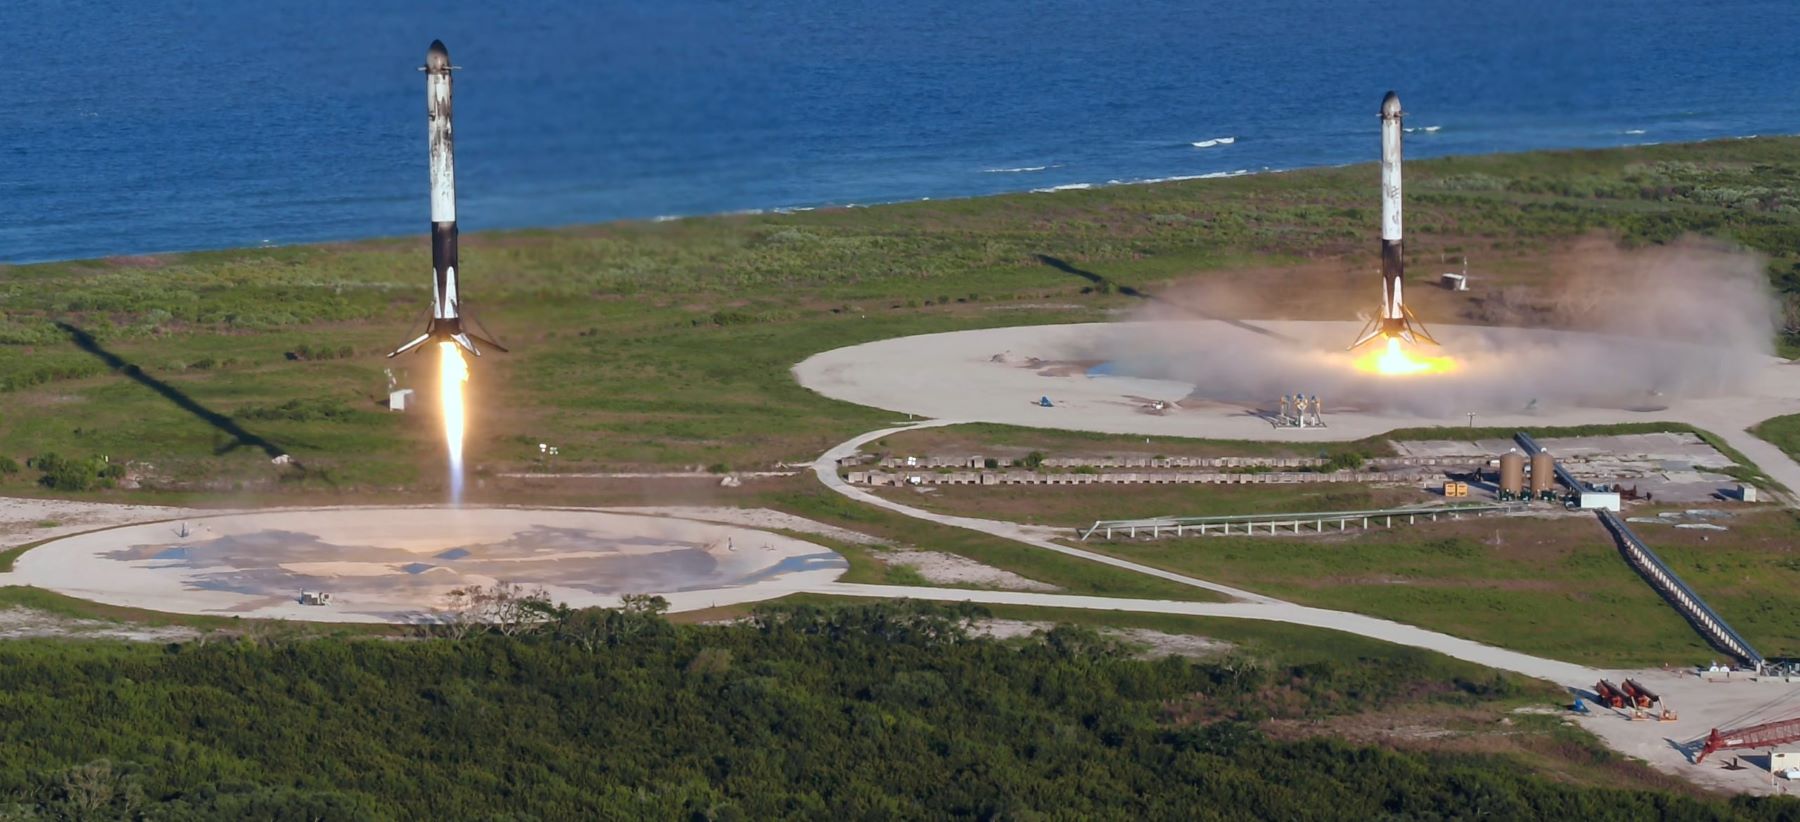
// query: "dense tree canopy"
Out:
[883,711]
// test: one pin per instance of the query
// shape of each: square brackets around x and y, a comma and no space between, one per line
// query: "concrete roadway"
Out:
[826,467]
[1565,674]
[1249,605]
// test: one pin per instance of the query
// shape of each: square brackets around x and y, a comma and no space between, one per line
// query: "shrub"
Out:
[61,474]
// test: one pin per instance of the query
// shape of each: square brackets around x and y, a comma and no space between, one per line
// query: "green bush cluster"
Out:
[63,474]
[323,352]
[882,711]
[299,410]
[39,373]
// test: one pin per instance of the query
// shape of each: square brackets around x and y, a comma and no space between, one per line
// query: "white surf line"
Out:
[826,466]
[1566,674]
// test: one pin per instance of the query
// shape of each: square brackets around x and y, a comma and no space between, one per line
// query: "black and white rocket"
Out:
[1394,319]
[446,323]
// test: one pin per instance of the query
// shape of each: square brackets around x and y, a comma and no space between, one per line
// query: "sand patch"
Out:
[951,569]
[1151,644]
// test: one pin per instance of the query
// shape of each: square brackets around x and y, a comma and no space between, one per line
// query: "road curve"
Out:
[1249,605]
[826,466]
[1565,674]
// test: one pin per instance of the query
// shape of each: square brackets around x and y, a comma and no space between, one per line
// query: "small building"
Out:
[1747,493]
[1785,764]
[398,398]
[1608,500]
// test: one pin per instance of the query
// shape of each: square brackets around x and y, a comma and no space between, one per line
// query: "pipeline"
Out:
[1652,568]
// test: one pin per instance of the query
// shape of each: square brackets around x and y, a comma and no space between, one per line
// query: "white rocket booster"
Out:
[446,301]
[1394,319]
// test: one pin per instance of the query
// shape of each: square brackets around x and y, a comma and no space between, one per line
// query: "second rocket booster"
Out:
[1394,319]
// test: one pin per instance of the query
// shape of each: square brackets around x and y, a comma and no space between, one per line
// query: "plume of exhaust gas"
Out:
[453,374]
[1612,328]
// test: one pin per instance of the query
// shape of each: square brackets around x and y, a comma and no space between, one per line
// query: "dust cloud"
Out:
[1610,328]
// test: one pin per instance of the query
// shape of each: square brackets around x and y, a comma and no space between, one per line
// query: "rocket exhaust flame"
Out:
[1394,361]
[445,326]
[453,374]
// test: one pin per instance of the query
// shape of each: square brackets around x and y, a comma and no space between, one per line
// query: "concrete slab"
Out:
[397,564]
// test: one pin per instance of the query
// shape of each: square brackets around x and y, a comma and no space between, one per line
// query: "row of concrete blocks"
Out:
[1034,478]
[1167,462]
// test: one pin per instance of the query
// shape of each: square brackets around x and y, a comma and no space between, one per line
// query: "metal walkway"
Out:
[1291,523]
[1652,568]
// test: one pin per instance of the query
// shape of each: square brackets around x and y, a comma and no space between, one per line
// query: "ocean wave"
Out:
[1633,131]
[1426,129]
[1019,170]
[1213,175]
[1063,187]
[1216,141]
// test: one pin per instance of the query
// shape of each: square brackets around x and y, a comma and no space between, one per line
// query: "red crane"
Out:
[1766,735]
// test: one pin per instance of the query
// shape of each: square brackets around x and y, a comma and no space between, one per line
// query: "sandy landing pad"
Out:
[1222,379]
[397,564]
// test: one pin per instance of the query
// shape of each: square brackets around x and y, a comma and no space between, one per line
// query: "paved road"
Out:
[826,466]
[1562,673]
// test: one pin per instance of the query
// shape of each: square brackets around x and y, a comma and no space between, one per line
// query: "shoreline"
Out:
[802,208]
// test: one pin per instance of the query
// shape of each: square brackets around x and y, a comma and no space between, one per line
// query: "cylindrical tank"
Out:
[1543,473]
[1512,475]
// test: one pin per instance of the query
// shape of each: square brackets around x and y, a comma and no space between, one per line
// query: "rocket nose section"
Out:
[437,58]
[1390,106]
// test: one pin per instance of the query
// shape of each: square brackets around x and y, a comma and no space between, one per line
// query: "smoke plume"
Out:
[1602,327]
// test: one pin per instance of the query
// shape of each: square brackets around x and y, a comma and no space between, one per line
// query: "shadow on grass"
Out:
[239,436]
[1106,284]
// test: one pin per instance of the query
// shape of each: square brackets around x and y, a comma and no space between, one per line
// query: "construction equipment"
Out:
[1766,735]
[1609,695]
[1639,695]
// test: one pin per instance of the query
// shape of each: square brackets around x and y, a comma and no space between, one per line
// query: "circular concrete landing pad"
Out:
[397,564]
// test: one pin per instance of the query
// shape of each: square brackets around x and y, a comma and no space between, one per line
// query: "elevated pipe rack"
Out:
[1652,568]
[1289,523]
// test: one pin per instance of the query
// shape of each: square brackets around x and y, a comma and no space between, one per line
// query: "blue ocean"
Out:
[129,127]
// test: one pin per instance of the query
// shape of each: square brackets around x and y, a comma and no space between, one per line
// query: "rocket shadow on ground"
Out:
[239,436]
[1105,282]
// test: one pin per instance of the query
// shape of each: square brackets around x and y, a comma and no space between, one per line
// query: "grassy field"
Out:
[668,344]
[1781,432]
[1549,586]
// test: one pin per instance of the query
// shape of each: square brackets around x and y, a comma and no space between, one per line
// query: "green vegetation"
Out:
[1781,432]
[60,474]
[668,344]
[1554,587]
[1071,574]
[877,711]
